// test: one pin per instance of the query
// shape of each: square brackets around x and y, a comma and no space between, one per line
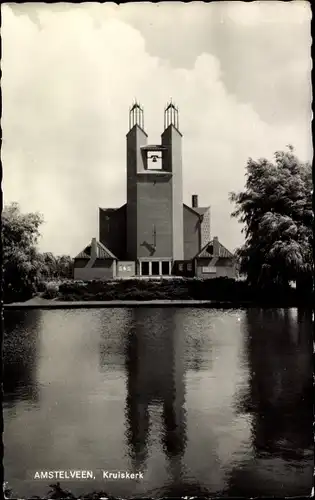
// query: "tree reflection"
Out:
[279,398]
[20,355]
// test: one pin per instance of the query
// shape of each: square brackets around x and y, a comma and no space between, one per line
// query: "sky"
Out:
[239,72]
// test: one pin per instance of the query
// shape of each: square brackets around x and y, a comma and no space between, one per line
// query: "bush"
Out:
[51,290]
[132,289]
[217,289]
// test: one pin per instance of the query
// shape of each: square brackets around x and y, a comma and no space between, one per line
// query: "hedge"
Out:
[218,289]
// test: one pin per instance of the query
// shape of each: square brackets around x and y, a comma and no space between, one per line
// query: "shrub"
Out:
[217,289]
[52,290]
[41,286]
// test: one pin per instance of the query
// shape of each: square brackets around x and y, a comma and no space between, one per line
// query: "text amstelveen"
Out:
[86,474]
[64,474]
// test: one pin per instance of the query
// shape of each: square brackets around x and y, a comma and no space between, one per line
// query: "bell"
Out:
[154,159]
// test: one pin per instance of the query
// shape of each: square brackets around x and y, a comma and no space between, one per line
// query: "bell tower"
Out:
[154,194]
[136,138]
[172,140]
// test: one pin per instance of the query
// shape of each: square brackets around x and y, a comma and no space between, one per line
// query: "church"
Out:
[154,234]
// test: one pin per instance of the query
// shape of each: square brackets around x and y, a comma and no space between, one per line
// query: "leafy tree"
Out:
[57,267]
[64,266]
[50,265]
[22,264]
[276,210]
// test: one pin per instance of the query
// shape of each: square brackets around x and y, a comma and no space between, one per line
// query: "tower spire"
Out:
[171,115]
[136,115]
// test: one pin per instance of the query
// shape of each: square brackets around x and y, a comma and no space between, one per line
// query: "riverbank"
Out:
[90,304]
[212,293]
[40,303]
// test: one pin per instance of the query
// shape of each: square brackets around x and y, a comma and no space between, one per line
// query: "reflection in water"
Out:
[113,338]
[78,420]
[19,358]
[155,379]
[279,396]
[202,401]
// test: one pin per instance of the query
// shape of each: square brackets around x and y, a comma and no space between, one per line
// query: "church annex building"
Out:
[154,233]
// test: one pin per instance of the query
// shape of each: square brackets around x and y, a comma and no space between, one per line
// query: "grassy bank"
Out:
[58,493]
[219,289]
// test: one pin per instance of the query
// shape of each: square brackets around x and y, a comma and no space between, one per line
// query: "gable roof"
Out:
[111,210]
[201,210]
[223,252]
[197,210]
[84,254]
[102,252]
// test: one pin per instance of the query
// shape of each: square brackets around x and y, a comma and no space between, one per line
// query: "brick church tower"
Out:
[154,233]
[154,212]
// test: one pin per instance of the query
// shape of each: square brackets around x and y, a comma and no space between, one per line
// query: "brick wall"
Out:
[191,233]
[136,138]
[228,270]
[79,263]
[112,230]
[154,209]
[172,139]
[92,273]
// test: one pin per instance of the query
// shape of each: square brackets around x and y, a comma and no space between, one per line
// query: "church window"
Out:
[165,268]
[155,268]
[189,266]
[145,268]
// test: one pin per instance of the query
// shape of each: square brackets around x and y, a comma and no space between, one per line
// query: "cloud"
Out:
[68,80]
[263,47]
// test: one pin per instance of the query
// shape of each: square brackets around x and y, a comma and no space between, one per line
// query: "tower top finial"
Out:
[136,115]
[171,115]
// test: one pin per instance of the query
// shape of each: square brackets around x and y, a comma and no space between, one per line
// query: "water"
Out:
[200,401]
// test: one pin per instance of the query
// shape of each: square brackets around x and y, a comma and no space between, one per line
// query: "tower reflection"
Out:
[155,378]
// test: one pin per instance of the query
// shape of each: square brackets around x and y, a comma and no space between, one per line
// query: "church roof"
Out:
[223,252]
[84,254]
[201,210]
[197,210]
[153,147]
[102,252]
[110,210]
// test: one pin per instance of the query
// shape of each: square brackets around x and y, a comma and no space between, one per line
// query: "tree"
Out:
[22,264]
[50,265]
[57,267]
[276,210]
[64,266]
